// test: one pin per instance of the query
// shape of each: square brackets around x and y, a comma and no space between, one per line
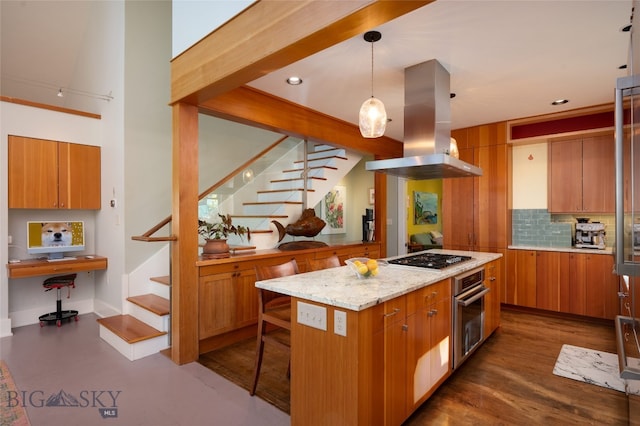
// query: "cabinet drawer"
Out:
[421,299]
[390,312]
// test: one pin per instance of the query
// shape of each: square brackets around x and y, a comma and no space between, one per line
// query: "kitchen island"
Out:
[370,351]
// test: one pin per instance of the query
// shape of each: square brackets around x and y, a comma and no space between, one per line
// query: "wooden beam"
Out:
[184,251]
[272,34]
[255,108]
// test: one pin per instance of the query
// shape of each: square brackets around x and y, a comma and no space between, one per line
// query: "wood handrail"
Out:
[147,236]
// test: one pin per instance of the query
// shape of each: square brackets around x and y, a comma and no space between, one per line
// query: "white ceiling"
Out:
[507,59]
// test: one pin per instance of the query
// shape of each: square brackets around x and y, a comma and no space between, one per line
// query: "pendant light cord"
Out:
[372,70]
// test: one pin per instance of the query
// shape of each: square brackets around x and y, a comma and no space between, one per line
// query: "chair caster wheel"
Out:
[76,318]
[41,323]
[59,323]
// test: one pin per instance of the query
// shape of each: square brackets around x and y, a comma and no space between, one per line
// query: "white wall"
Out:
[530,176]
[194,19]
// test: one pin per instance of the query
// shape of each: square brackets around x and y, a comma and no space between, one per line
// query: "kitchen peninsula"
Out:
[370,351]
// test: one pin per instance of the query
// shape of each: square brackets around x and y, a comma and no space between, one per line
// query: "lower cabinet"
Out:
[575,283]
[417,354]
[227,296]
[492,280]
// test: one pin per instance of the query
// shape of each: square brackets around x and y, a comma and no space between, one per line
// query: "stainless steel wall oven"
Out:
[468,314]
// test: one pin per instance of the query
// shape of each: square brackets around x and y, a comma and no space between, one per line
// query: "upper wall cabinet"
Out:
[47,174]
[582,175]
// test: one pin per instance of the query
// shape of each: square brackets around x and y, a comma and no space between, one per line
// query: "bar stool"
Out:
[67,281]
[273,309]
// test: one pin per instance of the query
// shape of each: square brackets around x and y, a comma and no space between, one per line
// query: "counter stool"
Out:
[57,283]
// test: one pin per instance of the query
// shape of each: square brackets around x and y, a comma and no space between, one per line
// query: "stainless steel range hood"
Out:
[427,129]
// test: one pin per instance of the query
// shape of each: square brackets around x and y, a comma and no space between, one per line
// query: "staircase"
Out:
[143,328]
[277,193]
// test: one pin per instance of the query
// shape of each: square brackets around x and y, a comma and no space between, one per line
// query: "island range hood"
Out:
[427,129]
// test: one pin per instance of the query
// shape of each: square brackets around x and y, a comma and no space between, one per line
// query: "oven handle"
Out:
[467,302]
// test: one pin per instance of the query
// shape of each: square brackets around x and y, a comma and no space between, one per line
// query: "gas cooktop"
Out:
[430,260]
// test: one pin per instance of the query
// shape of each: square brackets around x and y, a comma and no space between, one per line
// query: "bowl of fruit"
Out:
[365,267]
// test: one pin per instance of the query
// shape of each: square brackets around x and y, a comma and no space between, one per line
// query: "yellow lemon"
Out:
[357,263]
[362,269]
[374,271]
[372,264]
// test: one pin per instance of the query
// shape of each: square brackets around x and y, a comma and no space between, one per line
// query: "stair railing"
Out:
[148,236]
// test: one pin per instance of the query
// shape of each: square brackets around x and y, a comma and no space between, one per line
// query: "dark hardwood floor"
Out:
[509,380]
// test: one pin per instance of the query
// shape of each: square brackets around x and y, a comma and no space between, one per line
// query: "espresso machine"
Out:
[590,235]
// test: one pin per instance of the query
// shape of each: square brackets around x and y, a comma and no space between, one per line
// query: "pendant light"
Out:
[373,117]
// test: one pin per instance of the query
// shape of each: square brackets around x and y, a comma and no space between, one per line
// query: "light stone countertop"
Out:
[340,287]
[607,250]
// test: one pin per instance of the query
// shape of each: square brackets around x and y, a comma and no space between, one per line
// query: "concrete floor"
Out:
[150,391]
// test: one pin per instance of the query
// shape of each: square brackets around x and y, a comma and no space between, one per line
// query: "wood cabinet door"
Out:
[33,173]
[548,280]
[246,298]
[521,277]
[216,300]
[458,207]
[493,281]
[440,341]
[395,373]
[490,215]
[598,174]
[79,176]
[565,176]
[577,294]
[601,287]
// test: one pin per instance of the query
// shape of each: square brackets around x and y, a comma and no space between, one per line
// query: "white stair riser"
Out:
[134,351]
[159,322]
[340,152]
[264,209]
[318,173]
[160,289]
[331,162]
[291,184]
[280,196]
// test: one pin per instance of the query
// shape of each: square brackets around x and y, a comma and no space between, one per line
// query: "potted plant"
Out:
[215,236]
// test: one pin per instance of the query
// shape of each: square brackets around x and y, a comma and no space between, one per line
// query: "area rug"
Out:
[12,413]
[236,362]
[589,366]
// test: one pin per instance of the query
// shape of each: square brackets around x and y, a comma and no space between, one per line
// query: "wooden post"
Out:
[184,253]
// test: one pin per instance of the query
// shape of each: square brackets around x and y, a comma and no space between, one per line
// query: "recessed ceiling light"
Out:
[294,81]
[560,101]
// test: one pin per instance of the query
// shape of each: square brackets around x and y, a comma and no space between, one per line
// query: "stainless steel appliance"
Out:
[427,129]
[430,260]
[627,256]
[590,235]
[468,314]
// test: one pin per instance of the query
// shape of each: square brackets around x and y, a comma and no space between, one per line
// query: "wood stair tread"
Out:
[166,280]
[152,302]
[292,179]
[310,168]
[130,329]
[270,191]
[322,158]
[270,202]
[259,216]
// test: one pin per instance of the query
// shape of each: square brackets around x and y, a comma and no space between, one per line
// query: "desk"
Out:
[38,267]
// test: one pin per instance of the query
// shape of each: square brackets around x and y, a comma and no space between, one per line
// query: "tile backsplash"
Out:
[539,228]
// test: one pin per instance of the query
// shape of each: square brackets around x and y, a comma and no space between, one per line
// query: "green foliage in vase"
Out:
[221,230]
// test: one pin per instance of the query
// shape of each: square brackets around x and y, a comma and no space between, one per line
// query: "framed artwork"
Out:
[372,196]
[333,210]
[425,208]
